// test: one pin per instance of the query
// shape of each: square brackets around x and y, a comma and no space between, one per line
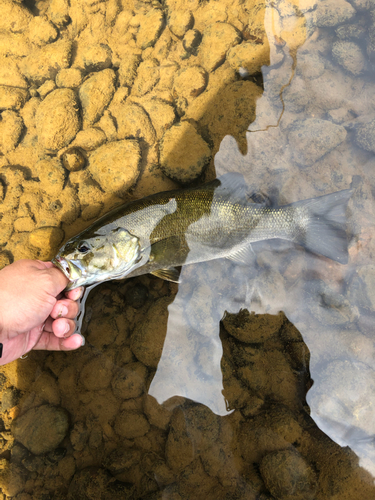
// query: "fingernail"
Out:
[63,311]
[67,328]
[82,339]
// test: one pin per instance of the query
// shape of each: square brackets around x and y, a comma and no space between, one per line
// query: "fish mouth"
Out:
[70,270]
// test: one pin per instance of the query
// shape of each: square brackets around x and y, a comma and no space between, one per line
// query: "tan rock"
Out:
[44,63]
[130,425]
[69,78]
[51,176]
[24,224]
[12,98]
[11,126]
[74,159]
[151,25]
[43,237]
[14,16]
[190,82]
[115,166]
[97,373]
[133,121]
[57,119]
[10,75]
[97,57]
[217,40]
[162,114]
[95,95]
[250,56]
[58,12]
[90,139]
[128,69]
[41,31]
[14,45]
[130,381]
[183,153]
[253,328]
[147,77]
[46,88]
[180,21]
[28,112]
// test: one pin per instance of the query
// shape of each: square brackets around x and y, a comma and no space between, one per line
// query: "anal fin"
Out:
[171,274]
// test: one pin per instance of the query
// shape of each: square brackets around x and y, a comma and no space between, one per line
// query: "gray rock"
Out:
[130,381]
[313,138]
[310,65]
[288,476]
[95,95]
[362,288]
[41,429]
[333,12]
[349,55]
[351,32]
[365,136]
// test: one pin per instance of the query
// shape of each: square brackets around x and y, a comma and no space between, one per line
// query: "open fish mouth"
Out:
[71,271]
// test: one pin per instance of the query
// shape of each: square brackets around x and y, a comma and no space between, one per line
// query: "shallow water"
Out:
[240,382]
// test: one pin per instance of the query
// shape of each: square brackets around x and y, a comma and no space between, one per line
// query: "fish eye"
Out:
[83,247]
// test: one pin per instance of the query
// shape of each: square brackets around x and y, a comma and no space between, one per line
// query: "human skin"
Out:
[34,313]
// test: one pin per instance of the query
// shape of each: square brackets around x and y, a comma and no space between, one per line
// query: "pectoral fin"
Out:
[172,274]
[245,256]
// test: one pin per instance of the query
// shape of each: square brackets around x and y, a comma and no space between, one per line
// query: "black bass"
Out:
[166,230]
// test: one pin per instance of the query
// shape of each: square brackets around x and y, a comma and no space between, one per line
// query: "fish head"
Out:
[87,259]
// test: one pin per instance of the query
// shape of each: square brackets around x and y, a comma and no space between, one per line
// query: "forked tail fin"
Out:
[324,227]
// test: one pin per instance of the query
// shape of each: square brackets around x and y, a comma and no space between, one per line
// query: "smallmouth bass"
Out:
[216,220]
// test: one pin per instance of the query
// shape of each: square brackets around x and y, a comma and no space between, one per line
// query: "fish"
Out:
[159,233]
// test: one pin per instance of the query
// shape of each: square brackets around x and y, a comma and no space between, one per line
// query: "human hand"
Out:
[34,314]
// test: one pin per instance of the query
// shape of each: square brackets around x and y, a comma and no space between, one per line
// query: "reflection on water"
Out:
[206,389]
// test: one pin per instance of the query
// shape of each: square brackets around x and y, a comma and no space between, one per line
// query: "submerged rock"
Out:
[349,55]
[95,95]
[41,429]
[365,136]
[217,40]
[183,153]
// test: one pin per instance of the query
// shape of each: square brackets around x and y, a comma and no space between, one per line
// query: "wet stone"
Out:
[249,55]
[183,153]
[107,166]
[69,78]
[41,429]
[312,138]
[148,75]
[287,476]
[44,64]
[49,237]
[191,41]
[252,328]
[128,69]
[10,398]
[350,32]
[151,26]
[333,12]
[11,126]
[89,484]
[136,296]
[95,95]
[349,55]
[365,136]
[97,373]
[217,40]
[190,82]
[42,31]
[97,57]
[130,381]
[179,22]
[12,98]
[130,425]
[134,122]
[57,119]
[74,159]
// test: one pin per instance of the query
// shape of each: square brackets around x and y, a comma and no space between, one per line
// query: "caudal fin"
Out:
[324,225]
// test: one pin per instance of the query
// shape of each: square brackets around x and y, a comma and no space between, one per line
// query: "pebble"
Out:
[313,138]
[130,425]
[58,12]
[128,69]
[28,112]
[361,291]
[190,82]
[365,136]
[310,65]
[133,121]
[180,21]
[95,94]
[97,57]
[115,166]
[349,55]
[51,175]
[148,76]
[74,159]
[69,78]
[288,476]
[47,87]
[351,32]
[130,381]
[90,139]
[90,483]
[12,97]
[217,40]
[191,41]
[10,75]
[250,56]
[330,13]
[252,328]
[44,63]
[41,429]
[151,26]
[96,374]
[183,153]
[162,115]
[147,339]
[42,31]
[136,296]
[57,119]
[10,398]
[11,126]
